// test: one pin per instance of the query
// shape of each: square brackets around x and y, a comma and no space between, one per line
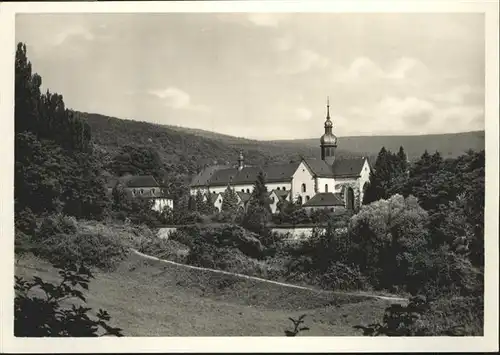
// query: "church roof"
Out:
[206,174]
[344,167]
[247,175]
[348,167]
[223,175]
[325,199]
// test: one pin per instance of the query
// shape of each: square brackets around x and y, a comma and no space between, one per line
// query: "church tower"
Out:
[328,140]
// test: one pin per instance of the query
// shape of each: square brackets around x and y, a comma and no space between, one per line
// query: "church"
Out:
[330,182]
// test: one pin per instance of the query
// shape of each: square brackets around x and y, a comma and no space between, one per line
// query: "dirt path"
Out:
[369,295]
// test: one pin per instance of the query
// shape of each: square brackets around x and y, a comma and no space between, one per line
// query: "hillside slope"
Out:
[150,298]
[196,148]
[450,145]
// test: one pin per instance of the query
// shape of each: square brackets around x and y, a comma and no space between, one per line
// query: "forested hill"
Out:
[450,145]
[194,146]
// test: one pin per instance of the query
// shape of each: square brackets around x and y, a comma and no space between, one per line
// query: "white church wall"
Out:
[302,176]
[364,178]
[247,188]
[326,181]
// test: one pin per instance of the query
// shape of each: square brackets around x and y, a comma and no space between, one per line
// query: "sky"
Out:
[267,75]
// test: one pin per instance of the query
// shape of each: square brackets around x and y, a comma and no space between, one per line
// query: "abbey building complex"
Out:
[329,182]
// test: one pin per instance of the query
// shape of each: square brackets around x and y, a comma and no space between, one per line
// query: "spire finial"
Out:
[328,107]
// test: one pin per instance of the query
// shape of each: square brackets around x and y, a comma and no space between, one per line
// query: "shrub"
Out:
[44,316]
[227,235]
[60,241]
[182,237]
[164,249]
[25,221]
[456,316]
[340,276]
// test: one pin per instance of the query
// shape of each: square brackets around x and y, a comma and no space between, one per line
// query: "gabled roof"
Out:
[247,175]
[343,167]
[134,181]
[214,196]
[319,167]
[282,194]
[325,199]
[349,167]
[202,178]
[243,196]
[218,175]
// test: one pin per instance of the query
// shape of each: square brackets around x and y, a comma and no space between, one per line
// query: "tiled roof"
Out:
[222,175]
[282,194]
[134,181]
[243,196]
[206,174]
[348,167]
[345,167]
[325,199]
[247,175]
[319,167]
[213,197]
[142,181]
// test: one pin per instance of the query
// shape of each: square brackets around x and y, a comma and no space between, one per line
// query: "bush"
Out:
[25,221]
[44,316]
[342,277]
[456,316]
[443,272]
[182,237]
[227,235]
[60,241]
[164,249]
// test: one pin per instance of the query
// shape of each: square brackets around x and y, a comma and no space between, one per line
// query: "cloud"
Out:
[301,61]
[363,69]
[68,33]
[458,94]
[404,67]
[303,114]
[282,44]
[177,99]
[400,115]
[267,19]
[409,106]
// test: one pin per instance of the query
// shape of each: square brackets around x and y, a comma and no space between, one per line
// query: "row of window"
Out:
[299,199]
[304,188]
[134,191]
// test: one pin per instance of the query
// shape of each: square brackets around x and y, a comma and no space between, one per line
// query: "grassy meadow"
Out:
[149,298]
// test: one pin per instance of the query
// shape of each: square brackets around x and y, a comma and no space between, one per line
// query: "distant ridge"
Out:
[200,148]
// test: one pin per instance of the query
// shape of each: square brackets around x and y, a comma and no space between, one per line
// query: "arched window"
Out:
[326,187]
[299,200]
[308,198]
[242,190]
[303,187]
[350,198]
[283,188]
[248,191]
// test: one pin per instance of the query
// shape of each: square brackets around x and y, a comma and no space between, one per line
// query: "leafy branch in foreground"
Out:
[399,320]
[296,326]
[45,316]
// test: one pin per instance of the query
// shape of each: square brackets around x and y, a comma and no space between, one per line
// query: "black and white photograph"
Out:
[243,174]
